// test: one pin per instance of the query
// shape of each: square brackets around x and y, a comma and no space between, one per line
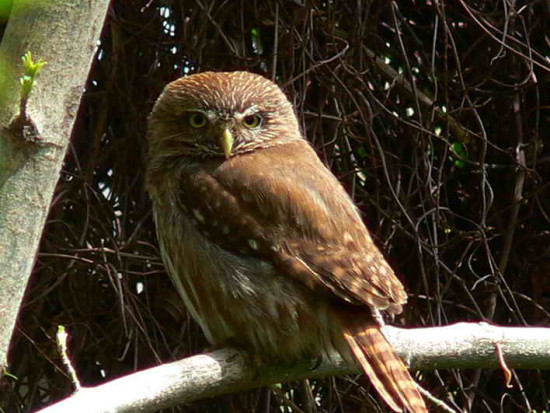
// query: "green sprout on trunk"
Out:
[22,125]
[31,70]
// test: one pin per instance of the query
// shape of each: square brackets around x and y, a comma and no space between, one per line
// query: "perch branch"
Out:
[463,345]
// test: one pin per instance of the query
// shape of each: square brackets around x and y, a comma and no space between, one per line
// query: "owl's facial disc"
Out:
[224,131]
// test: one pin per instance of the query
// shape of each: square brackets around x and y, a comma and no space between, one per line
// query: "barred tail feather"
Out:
[384,368]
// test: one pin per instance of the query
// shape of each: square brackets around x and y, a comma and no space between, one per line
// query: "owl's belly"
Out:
[243,302]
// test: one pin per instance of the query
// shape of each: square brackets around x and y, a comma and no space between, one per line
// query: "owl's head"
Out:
[220,114]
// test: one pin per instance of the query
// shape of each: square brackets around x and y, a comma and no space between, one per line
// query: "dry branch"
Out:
[463,345]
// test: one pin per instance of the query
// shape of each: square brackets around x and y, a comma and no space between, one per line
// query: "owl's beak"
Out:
[227,142]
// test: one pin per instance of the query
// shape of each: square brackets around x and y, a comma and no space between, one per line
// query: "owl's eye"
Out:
[197,120]
[252,121]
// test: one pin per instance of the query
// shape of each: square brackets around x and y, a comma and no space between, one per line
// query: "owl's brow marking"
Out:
[210,114]
[247,112]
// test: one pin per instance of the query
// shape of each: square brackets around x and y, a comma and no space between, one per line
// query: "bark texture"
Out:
[462,345]
[65,34]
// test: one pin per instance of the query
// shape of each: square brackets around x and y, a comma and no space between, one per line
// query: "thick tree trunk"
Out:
[65,34]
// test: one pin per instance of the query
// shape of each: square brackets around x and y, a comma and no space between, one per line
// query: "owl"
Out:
[262,242]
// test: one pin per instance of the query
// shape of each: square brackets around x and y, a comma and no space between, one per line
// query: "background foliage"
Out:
[434,114]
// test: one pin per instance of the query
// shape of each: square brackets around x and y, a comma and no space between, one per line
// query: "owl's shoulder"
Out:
[292,163]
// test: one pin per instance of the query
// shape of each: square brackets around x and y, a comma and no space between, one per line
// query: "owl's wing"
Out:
[282,205]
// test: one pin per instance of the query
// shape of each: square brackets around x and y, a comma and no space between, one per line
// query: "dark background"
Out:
[434,114]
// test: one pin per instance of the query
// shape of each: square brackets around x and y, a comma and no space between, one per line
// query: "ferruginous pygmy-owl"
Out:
[262,242]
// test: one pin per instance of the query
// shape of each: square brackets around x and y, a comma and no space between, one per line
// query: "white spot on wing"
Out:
[198,215]
[253,244]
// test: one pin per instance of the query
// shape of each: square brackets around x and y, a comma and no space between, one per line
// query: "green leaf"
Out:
[461,152]
[31,70]
[5,7]
[10,375]
[257,45]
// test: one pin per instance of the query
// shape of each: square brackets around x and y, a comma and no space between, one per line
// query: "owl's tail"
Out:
[383,366]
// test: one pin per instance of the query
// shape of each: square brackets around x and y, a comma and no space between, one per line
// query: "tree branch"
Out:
[463,345]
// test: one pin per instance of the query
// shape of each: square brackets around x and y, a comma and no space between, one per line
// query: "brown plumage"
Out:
[262,242]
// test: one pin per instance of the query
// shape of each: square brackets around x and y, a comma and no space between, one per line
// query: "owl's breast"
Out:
[240,301]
